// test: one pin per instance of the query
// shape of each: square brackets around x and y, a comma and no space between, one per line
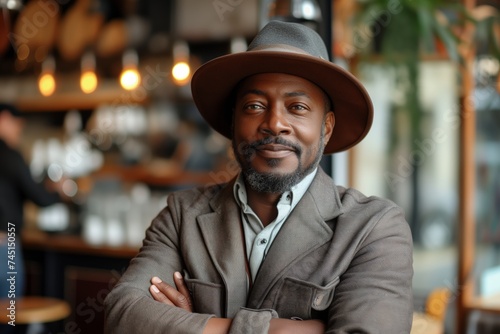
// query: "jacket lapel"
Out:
[304,231]
[222,235]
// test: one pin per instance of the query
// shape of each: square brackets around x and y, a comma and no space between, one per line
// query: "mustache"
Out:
[248,149]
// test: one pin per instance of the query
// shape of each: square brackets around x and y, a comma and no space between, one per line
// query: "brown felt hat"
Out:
[291,48]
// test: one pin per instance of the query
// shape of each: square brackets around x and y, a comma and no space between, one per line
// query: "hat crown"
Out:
[277,33]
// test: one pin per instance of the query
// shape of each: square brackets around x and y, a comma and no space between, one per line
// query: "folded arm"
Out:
[179,296]
[129,306]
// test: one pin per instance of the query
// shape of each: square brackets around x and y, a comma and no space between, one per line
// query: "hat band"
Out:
[281,48]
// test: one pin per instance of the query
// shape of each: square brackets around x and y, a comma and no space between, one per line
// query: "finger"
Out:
[182,288]
[159,296]
[171,293]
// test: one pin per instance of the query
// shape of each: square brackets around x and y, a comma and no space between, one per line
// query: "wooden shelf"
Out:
[34,239]
[23,92]
[78,100]
[159,174]
[489,304]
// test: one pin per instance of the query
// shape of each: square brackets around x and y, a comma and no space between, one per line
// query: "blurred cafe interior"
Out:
[104,89]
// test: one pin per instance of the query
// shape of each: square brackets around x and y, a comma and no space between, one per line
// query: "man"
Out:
[16,183]
[16,187]
[280,248]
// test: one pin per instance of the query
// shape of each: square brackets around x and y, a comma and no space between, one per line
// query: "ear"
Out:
[329,125]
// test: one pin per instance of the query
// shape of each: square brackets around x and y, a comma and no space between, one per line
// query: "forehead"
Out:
[278,81]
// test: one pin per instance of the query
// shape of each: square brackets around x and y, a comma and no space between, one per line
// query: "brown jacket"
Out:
[341,257]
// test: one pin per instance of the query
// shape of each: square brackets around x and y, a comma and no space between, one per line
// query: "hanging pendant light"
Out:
[88,76]
[11,4]
[130,77]
[46,80]
[181,70]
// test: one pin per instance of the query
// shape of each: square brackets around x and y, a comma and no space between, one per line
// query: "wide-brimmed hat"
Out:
[290,48]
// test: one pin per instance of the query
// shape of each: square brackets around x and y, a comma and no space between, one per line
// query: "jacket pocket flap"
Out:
[323,296]
[297,297]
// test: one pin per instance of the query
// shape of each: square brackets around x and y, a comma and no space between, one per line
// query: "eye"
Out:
[299,108]
[253,107]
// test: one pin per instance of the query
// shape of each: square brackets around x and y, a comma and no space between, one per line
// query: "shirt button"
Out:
[263,241]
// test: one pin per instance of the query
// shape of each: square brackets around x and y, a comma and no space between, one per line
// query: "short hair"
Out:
[5,107]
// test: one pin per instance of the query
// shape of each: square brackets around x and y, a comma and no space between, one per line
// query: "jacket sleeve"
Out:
[34,191]
[129,306]
[375,292]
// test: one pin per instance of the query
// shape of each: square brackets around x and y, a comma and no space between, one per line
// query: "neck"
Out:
[264,205]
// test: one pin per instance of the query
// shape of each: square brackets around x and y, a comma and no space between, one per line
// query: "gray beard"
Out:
[274,182]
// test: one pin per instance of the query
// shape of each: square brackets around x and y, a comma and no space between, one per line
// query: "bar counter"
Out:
[65,266]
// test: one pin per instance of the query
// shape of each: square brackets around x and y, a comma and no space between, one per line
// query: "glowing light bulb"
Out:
[47,84]
[130,79]
[88,77]
[181,72]
[88,82]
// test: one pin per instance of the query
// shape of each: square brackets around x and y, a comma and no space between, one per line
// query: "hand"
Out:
[277,326]
[167,294]
[293,326]
[58,186]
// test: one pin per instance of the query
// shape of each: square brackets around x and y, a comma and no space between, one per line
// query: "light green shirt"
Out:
[258,239]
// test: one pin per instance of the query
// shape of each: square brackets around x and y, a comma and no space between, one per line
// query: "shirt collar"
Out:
[292,196]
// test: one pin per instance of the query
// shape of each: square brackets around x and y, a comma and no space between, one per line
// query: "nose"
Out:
[275,122]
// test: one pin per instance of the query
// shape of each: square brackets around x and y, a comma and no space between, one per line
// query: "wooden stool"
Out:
[32,309]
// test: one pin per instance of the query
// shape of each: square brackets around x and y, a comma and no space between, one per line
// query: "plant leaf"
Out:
[426,20]
[449,40]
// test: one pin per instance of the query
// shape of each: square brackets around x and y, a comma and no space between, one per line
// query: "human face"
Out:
[11,128]
[280,128]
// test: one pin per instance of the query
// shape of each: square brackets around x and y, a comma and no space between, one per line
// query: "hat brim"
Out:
[213,83]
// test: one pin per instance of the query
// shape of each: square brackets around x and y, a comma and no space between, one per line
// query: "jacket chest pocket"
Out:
[206,297]
[300,299]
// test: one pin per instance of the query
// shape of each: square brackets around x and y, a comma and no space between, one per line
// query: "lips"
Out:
[274,151]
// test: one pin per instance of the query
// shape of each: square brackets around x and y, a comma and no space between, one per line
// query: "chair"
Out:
[432,321]
[437,303]
[30,310]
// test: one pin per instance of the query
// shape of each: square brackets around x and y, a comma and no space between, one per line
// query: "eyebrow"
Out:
[297,93]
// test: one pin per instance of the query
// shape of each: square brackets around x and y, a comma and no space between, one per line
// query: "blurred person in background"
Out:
[16,187]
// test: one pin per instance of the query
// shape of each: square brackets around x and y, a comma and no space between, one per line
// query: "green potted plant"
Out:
[402,33]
